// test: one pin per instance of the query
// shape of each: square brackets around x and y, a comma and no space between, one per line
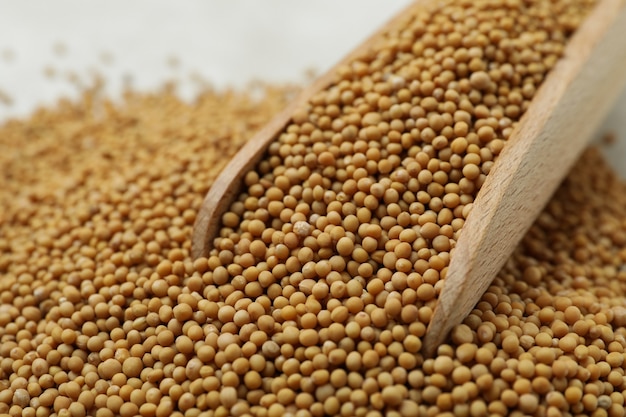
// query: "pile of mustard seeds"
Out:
[316,298]
[97,203]
[548,337]
[103,312]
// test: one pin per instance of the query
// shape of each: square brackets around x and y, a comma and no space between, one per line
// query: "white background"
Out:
[226,42]
[146,42]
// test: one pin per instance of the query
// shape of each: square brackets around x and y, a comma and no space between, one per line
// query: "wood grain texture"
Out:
[562,117]
[227,186]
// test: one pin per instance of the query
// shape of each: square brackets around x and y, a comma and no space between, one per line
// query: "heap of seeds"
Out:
[548,338]
[97,203]
[328,268]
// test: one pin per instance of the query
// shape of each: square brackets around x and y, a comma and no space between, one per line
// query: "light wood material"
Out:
[567,109]
[551,135]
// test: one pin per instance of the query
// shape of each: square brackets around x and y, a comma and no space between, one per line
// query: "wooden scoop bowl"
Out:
[562,117]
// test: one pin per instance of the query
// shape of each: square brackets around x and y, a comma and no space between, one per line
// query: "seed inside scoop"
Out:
[354,213]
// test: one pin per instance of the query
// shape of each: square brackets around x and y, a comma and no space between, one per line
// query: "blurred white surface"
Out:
[150,41]
[147,42]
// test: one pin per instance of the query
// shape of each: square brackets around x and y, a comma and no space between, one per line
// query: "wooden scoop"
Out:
[557,126]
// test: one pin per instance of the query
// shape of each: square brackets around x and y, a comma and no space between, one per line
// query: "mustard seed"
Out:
[480,80]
